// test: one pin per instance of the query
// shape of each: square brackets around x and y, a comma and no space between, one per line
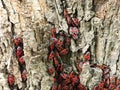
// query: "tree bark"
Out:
[33,19]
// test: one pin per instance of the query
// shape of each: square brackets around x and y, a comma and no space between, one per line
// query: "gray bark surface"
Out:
[33,19]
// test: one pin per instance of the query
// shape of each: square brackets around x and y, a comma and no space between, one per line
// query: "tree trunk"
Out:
[32,20]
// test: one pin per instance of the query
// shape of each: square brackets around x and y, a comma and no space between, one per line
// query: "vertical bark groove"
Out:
[32,20]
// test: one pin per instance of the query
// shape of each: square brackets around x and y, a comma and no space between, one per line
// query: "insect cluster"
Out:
[22,66]
[73,24]
[108,82]
[59,46]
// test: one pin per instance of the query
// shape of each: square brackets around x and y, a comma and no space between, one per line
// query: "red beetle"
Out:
[55,61]
[87,56]
[118,81]
[51,55]
[101,84]
[19,52]
[17,41]
[74,32]
[81,87]
[69,20]
[112,86]
[118,87]
[106,80]
[52,46]
[54,32]
[63,75]
[65,13]
[67,41]
[50,70]
[71,74]
[59,44]
[59,68]
[105,88]
[75,80]
[80,66]
[21,61]
[66,81]
[24,75]
[75,22]
[54,87]
[52,43]
[105,70]
[59,87]
[11,79]
[96,87]
[55,80]
[66,78]
[64,51]
[65,87]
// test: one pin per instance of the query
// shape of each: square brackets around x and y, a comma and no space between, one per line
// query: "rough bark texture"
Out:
[33,19]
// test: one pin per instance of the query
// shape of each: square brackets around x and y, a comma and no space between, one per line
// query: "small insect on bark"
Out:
[11,79]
